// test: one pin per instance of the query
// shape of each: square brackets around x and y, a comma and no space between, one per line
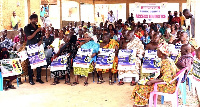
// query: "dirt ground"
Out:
[62,95]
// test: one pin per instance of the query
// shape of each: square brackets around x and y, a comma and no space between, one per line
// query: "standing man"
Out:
[33,33]
[188,15]
[170,17]
[176,19]
[15,21]
[130,19]
[182,19]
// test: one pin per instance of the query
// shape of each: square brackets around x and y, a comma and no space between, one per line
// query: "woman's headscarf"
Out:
[164,48]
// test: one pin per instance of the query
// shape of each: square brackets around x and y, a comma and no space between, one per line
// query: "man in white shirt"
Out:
[188,15]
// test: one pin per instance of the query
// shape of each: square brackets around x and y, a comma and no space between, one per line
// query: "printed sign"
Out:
[151,63]
[83,58]
[60,63]
[126,59]
[10,67]
[152,12]
[105,58]
[36,56]
[175,49]
[22,55]
[196,69]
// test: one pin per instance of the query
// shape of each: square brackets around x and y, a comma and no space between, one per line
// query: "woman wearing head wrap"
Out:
[194,45]
[168,71]
[88,44]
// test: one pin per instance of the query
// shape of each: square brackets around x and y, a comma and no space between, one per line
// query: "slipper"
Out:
[85,83]
[74,83]
[121,83]
[133,83]
[54,83]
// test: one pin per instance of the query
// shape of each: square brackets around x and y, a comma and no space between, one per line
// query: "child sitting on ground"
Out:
[186,59]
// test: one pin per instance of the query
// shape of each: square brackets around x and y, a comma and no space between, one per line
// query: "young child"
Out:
[186,59]
[145,39]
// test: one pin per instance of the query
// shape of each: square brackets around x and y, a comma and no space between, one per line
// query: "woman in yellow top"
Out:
[168,72]
[109,44]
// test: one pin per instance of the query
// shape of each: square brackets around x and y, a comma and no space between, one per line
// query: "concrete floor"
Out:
[62,95]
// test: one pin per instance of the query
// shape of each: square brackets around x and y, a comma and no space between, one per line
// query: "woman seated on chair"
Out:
[87,44]
[168,71]
[7,81]
[109,44]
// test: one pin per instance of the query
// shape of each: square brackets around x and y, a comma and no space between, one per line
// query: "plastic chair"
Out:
[183,90]
[154,94]
[1,82]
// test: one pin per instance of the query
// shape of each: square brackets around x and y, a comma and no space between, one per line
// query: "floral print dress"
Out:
[168,70]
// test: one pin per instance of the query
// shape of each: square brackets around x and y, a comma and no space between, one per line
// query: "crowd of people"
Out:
[117,35]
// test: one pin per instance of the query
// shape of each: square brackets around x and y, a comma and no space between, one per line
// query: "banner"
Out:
[196,69]
[105,58]
[60,63]
[22,55]
[36,56]
[175,49]
[126,59]
[152,12]
[83,58]
[10,67]
[151,63]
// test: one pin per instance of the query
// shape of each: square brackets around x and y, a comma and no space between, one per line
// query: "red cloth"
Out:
[176,20]
[16,39]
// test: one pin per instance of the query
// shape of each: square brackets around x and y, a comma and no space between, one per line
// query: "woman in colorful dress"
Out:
[87,44]
[168,72]
[109,44]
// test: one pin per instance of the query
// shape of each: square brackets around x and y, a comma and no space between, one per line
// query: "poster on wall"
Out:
[70,11]
[152,12]
[87,11]
[119,11]
[54,16]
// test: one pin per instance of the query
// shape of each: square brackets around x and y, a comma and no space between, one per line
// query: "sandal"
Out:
[11,87]
[110,82]
[74,83]
[100,81]
[57,82]
[5,88]
[67,82]
[133,83]
[121,83]
[85,83]
[54,83]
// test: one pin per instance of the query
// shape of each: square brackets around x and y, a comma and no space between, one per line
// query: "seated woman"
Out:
[7,81]
[109,44]
[168,72]
[131,43]
[167,36]
[56,45]
[153,45]
[87,44]
[20,46]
